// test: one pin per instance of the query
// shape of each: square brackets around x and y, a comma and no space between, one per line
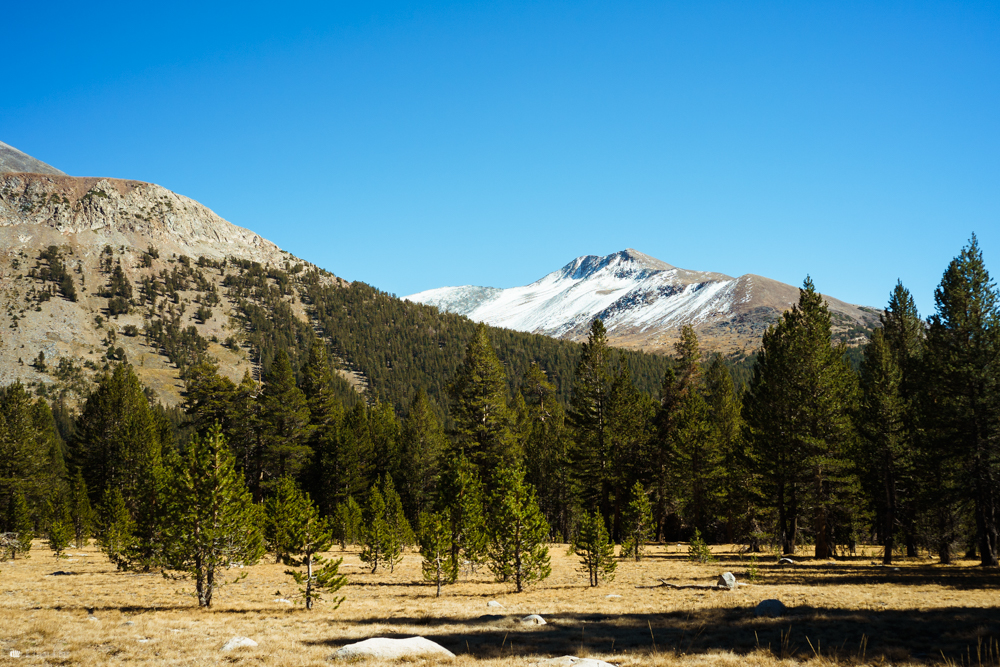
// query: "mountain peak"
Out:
[626,263]
[13,160]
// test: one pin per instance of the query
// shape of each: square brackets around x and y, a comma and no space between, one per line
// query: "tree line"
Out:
[903,452]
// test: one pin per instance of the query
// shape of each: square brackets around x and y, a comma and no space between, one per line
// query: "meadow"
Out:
[843,611]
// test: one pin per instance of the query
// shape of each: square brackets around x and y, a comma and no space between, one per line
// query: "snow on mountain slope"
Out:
[642,301]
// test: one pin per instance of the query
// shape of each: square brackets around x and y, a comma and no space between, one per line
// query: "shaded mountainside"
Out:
[643,302]
[94,270]
[12,159]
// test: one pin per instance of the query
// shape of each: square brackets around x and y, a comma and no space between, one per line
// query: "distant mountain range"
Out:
[643,302]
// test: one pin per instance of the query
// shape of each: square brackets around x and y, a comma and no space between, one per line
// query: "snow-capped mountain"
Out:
[643,302]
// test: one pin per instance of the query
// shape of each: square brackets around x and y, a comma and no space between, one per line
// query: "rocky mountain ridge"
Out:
[12,159]
[643,302]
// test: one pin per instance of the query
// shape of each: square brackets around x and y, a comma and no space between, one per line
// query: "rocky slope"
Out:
[57,228]
[643,302]
[12,159]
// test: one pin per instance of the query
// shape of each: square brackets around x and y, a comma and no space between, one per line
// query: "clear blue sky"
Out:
[419,145]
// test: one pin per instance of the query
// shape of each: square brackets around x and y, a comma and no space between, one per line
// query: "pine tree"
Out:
[285,416]
[737,488]
[798,414]
[589,415]
[117,529]
[423,447]
[306,535]
[117,442]
[962,354]
[24,448]
[638,523]
[630,414]
[904,334]
[882,424]
[349,518]
[60,528]
[326,421]
[80,511]
[281,515]
[597,553]
[548,447]
[517,531]
[387,529]
[460,499]
[23,526]
[479,406]
[213,523]
[438,565]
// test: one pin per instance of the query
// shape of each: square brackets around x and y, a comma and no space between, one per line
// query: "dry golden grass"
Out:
[846,612]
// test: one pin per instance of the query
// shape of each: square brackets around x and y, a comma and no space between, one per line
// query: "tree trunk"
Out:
[309,581]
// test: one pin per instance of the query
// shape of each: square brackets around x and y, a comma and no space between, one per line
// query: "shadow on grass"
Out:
[892,635]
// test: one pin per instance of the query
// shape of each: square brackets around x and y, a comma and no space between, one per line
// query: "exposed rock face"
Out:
[727,580]
[97,222]
[12,159]
[38,210]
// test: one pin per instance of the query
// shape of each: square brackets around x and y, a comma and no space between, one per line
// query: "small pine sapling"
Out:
[387,528]
[517,531]
[60,531]
[698,549]
[117,529]
[307,536]
[349,519]
[637,523]
[439,565]
[596,551]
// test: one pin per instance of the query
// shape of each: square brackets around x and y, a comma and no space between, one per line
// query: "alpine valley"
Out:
[643,303]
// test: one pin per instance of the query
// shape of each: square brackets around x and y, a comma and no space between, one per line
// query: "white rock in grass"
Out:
[533,619]
[772,608]
[494,603]
[727,580]
[613,596]
[238,642]
[573,661]
[386,649]
[15,654]
[786,561]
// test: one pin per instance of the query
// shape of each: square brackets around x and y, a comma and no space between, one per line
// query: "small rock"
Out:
[144,640]
[384,648]
[771,608]
[15,654]
[283,600]
[727,580]
[494,603]
[573,661]
[895,569]
[238,642]
[93,619]
[612,596]
[786,561]
[533,619]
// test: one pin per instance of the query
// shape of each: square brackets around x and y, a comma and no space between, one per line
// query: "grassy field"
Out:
[846,611]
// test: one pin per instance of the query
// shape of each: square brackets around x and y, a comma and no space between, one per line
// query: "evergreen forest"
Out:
[803,447]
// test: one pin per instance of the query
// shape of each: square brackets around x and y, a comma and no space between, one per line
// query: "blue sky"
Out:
[417,145]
